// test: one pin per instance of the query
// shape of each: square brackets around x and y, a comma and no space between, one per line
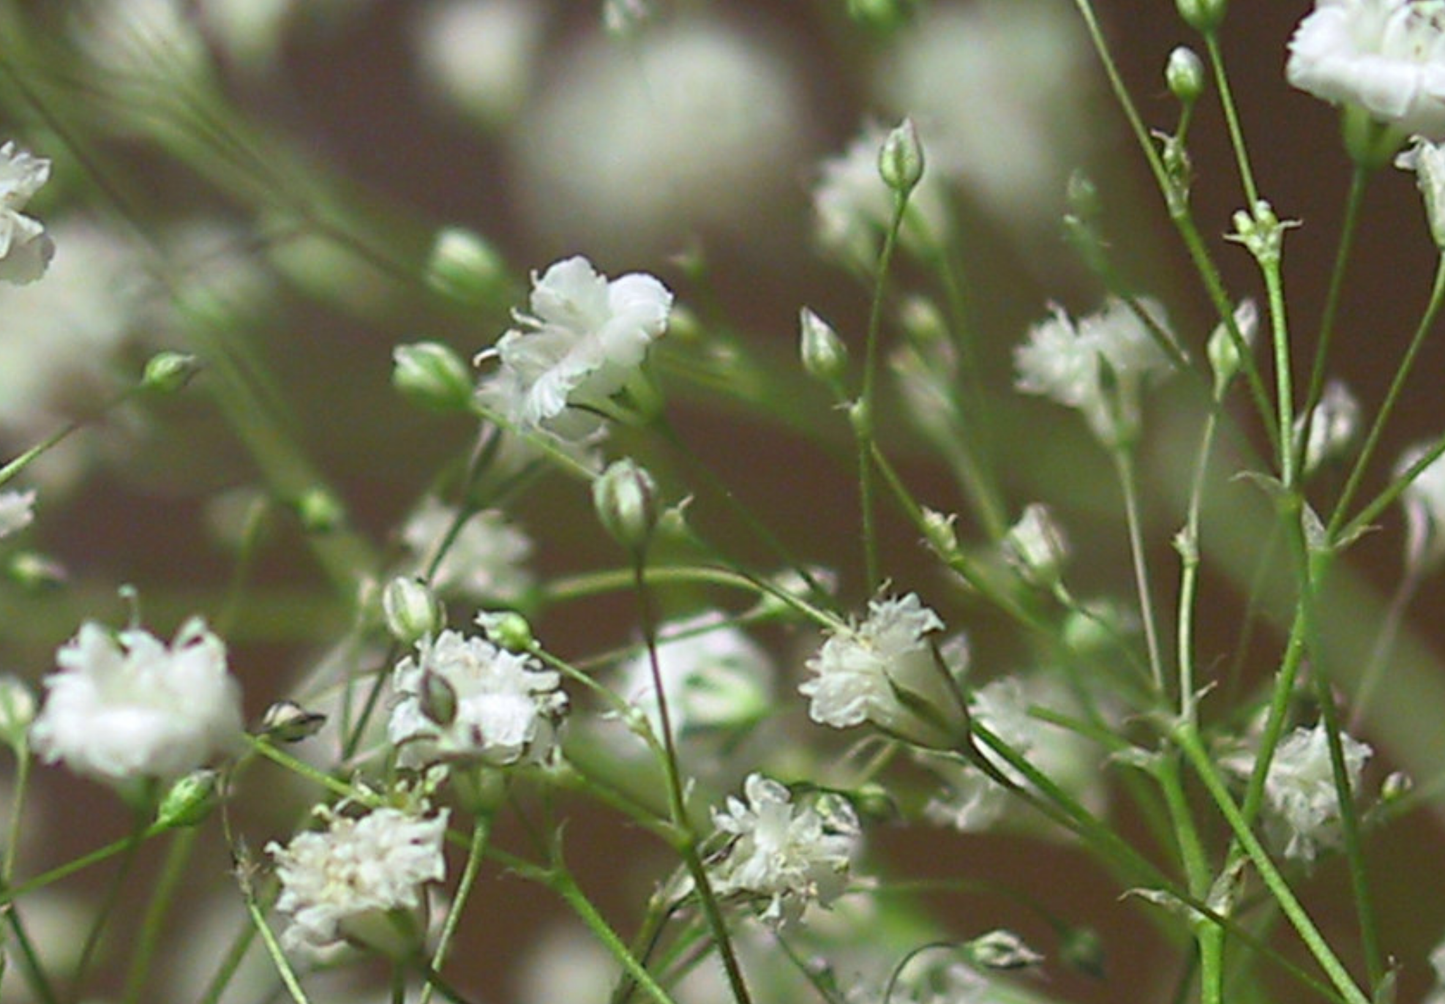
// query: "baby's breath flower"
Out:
[1384,56]
[1224,355]
[481,55]
[25,250]
[359,880]
[487,557]
[783,852]
[1065,360]
[463,698]
[124,706]
[1036,546]
[1333,425]
[885,670]
[17,511]
[584,340]
[1424,502]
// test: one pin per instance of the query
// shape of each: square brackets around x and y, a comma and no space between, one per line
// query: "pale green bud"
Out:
[1261,232]
[508,629]
[1036,547]
[1001,950]
[190,800]
[900,159]
[34,572]
[168,372]
[411,610]
[289,722]
[1224,355]
[433,375]
[939,533]
[883,15]
[625,497]
[17,711]
[1184,73]
[922,321]
[1081,948]
[1204,16]
[320,511]
[825,357]
[1427,160]
[464,266]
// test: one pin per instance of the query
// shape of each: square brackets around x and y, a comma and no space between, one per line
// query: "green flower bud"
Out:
[289,722]
[1204,16]
[1081,948]
[464,266]
[34,572]
[508,629]
[320,511]
[168,372]
[1001,950]
[433,375]
[625,497]
[1224,355]
[17,711]
[438,699]
[411,610]
[825,357]
[1184,73]
[190,800]
[900,159]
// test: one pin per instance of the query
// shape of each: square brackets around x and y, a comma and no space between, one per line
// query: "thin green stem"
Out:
[1188,545]
[1283,377]
[162,897]
[273,948]
[1128,483]
[1208,935]
[562,883]
[107,907]
[481,831]
[1231,118]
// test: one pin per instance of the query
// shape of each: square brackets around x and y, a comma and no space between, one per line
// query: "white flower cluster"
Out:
[884,670]
[1385,56]
[359,880]
[25,250]
[1064,359]
[584,340]
[17,511]
[486,560]
[787,853]
[464,698]
[124,706]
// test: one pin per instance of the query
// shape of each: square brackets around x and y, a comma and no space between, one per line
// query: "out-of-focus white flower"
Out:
[698,122]
[713,675]
[1036,546]
[786,853]
[463,698]
[1301,803]
[1437,963]
[853,206]
[124,706]
[1424,502]
[1002,92]
[884,670]
[481,55]
[17,511]
[1427,160]
[585,338]
[360,880]
[25,249]
[488,556]
[971,801]
[1064,359]
[1385,56]
[1334,423]
[138,44]
[1224,354]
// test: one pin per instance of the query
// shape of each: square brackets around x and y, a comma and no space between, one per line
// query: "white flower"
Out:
[487,557]
[713,675]
[1385,56]
[1424,502]
[1301,803]
[481,55]
[1063,360]
[464,698]
[124,706]
[790,854]
[853,206]
[1334,423]
[1036,546]
[25,249]
[884,670]
[586,337]
[17,511]
[356,879]
[971,801]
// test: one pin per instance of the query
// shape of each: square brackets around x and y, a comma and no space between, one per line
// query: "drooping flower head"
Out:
[786,853]
[125,706]
[584,340]
[884,670]
[1386,57]
[464,698]
[25,249]
[359,880]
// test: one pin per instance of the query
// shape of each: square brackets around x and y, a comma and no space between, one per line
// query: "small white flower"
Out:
[1385,56]
[1036,546]
[1334,423]
[853,207]
[464,698]
[124,706]
[17,511]
[355,880]
[481,55]
[790,854]
[487,557]
[1063,360]
[884,670]
[1302,806]
[1424,502]
[586,337]
[25,249]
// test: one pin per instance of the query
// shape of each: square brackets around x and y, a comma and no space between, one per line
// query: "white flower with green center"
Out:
[17,511]
[584,340]
[786,853]
[1384,56]
[125,706]
[464,698]
[360,881]
[25,250]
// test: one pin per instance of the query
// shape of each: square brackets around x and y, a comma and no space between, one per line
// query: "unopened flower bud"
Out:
[190,800]
[882,15]
[939,534]
[1036,547]
[1002,950]
[168,372]
[289,722]
[17,711]
[1396,786]
[508,629]
[438,699]
[1333,425]
[1184,73]
[1427,160]
[1223,352]
[922,321]
[825,357]
[625,497]
[900,159]
[320,511]
[464,266]
[1204,16]
[411,609]
[433,375]
[1081,948]
[35,572]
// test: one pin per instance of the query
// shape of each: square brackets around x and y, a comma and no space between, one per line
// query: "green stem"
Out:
[1128,482]
[112,897]
[1208,935]
[1231,118]
[1188,544]
[1283,378]
[481,830]
[161,900]
[562,883]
